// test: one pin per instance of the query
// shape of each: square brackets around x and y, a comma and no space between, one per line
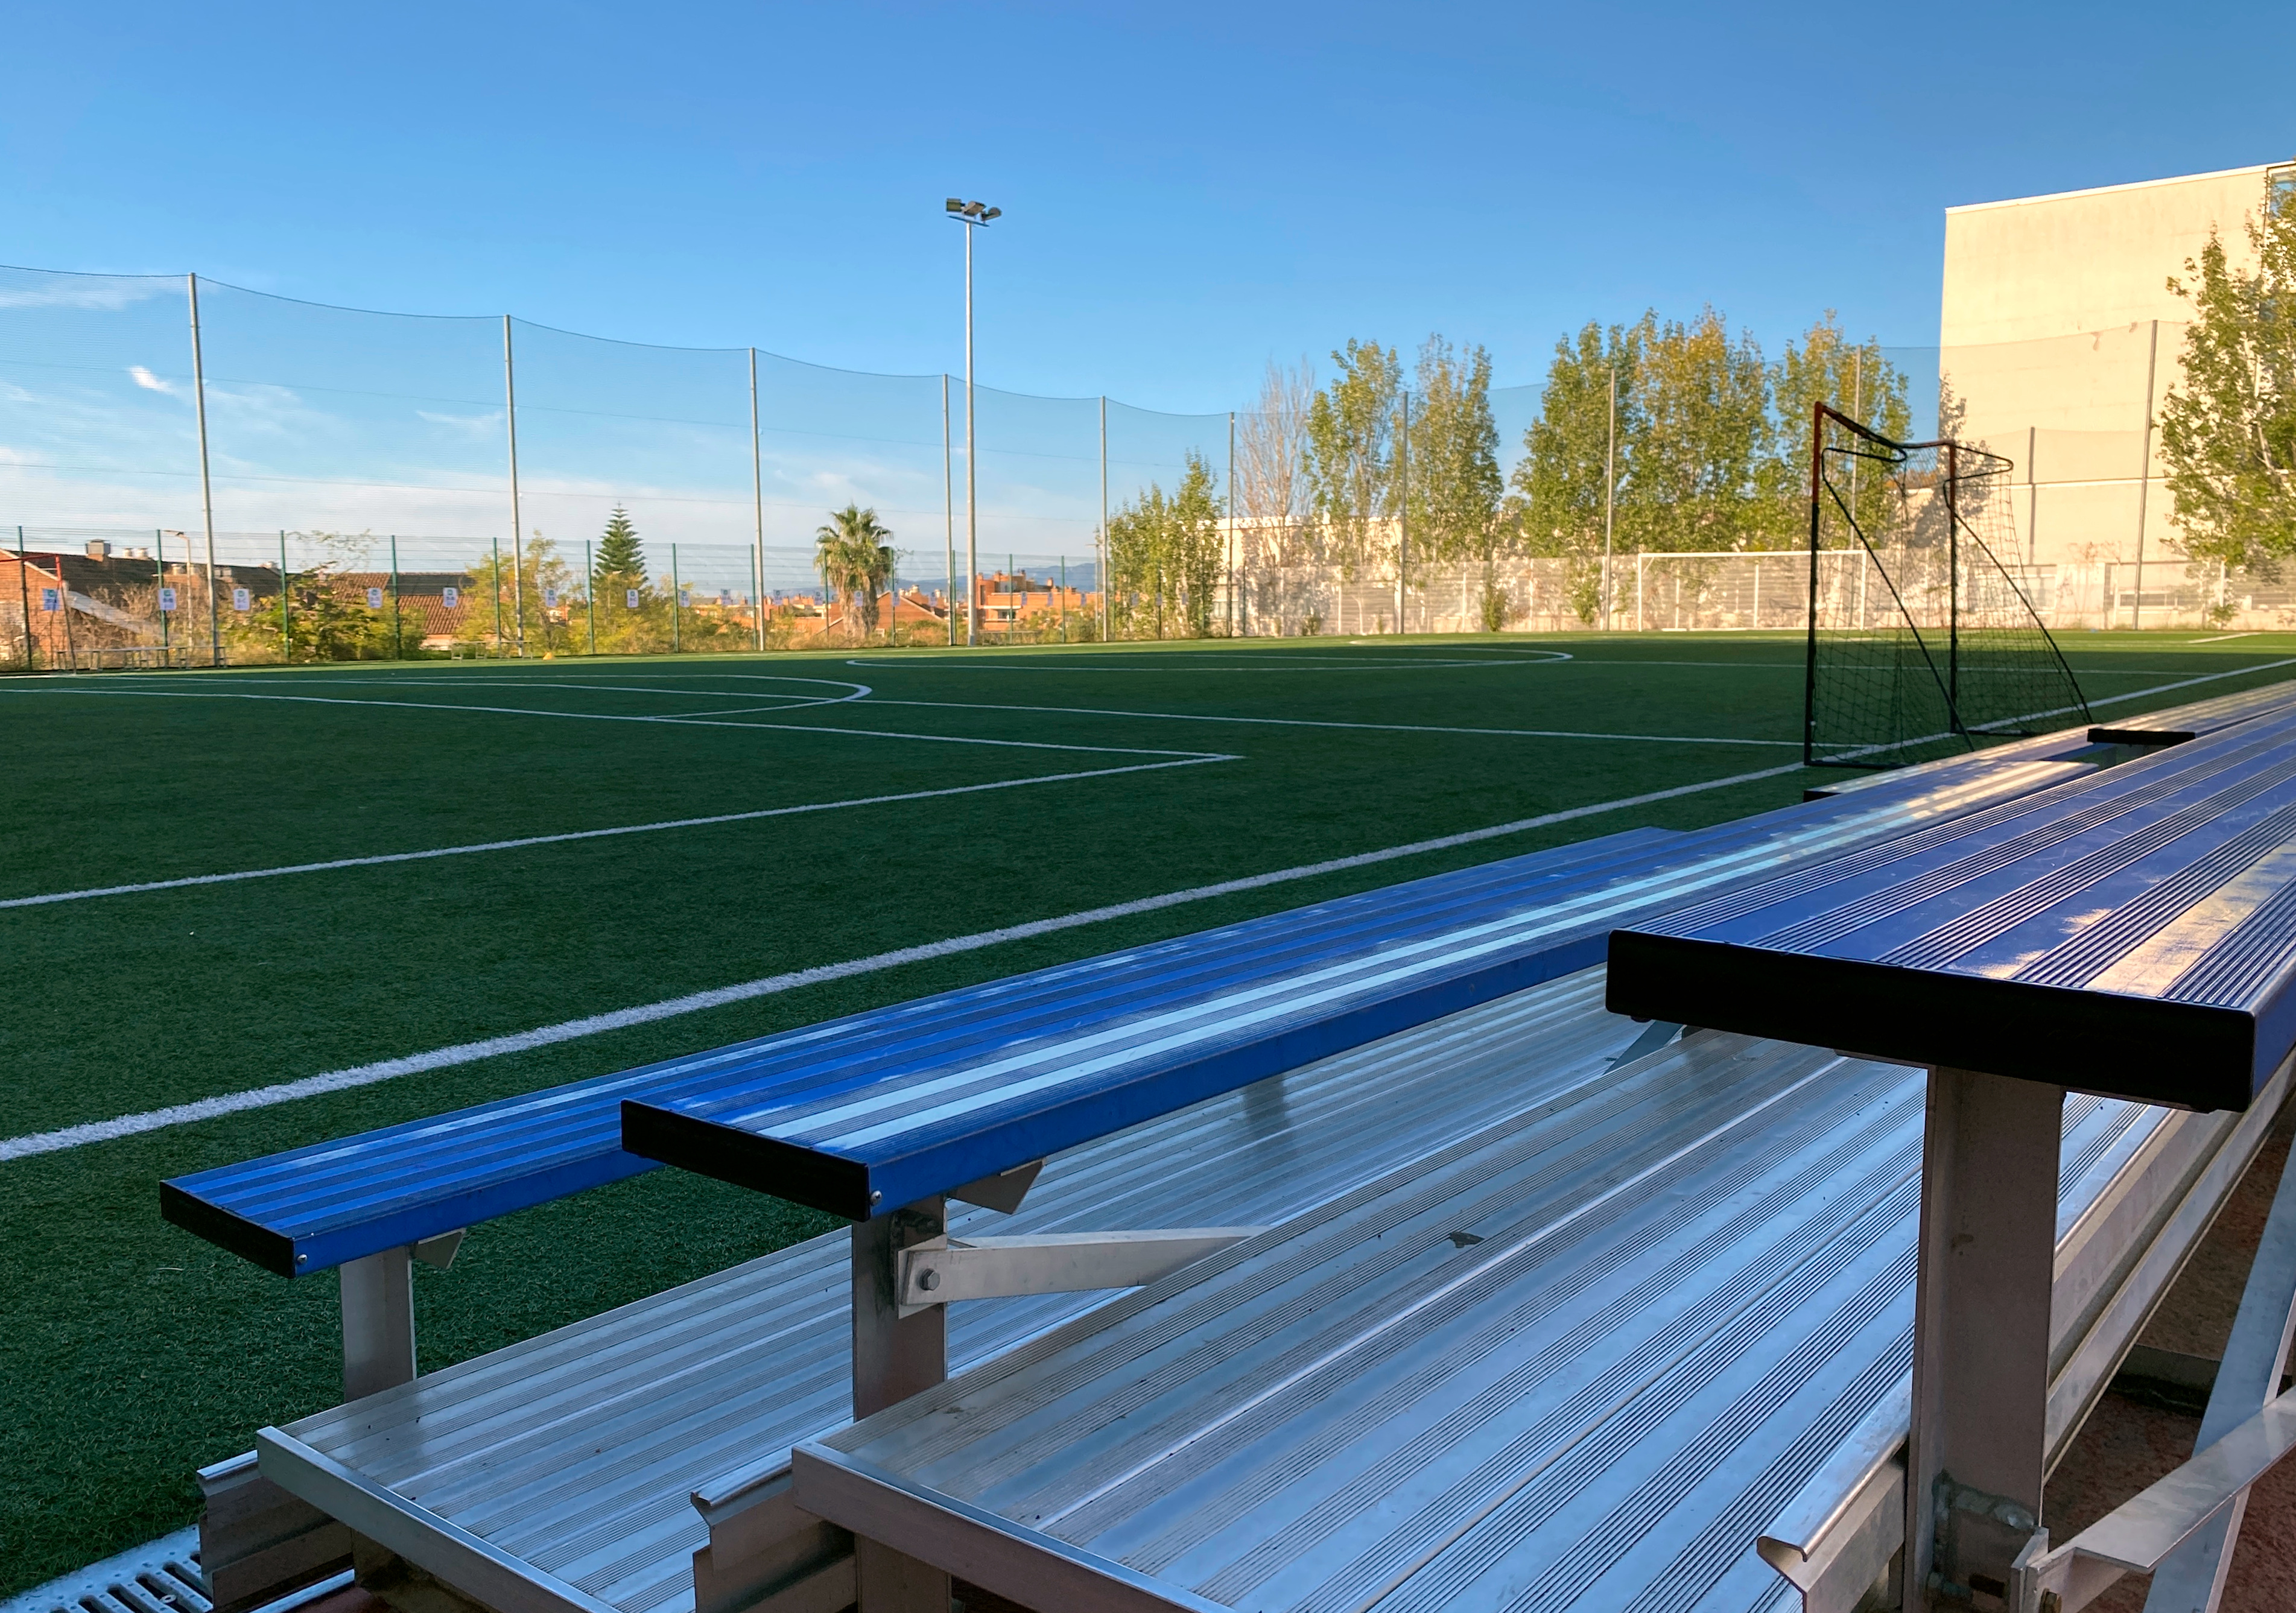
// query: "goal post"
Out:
[1921,642]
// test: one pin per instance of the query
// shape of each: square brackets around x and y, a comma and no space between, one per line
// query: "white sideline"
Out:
[567,1030]
[592,717]
[587,834]
[1301,722]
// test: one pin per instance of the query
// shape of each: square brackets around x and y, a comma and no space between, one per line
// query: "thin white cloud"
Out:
[149,382]
[88,292]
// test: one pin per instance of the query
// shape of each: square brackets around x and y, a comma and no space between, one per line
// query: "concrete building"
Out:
[2058,336]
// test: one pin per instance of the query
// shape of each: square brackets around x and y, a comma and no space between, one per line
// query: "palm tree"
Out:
[854,560]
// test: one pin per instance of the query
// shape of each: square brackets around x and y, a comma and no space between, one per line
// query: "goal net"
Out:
[1921,641]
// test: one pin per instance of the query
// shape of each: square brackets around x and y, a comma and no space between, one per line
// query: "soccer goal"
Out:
[1921,642]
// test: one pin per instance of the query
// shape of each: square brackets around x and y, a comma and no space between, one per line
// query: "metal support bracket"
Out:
[2140,1534]
[378,1299]
[1002,1191]
[378,1292]
[939,1269]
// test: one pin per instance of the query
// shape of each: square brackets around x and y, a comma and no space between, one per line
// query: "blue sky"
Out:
[1190,189]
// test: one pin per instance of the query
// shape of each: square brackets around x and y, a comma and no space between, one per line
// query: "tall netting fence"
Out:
[493,457]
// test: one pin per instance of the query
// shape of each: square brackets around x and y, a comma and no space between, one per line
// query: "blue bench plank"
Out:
[859,1142]
[2132,933]
[310,1208]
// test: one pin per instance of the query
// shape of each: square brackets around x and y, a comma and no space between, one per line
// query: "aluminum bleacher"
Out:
[1254,1089]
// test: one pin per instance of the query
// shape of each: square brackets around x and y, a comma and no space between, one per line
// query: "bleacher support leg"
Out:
[894,1357]
[1986,1250]
[378,1322]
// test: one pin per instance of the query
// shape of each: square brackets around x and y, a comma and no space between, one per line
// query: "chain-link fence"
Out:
[204,473]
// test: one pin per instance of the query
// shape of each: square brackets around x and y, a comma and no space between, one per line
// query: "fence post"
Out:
[2145,483]
[160,581]
[207,498]
[398,621]
[63,609]
[1107,551]
[1403,509]
[510,416]
[24,594]
[758,494]
[949,509]
[590,593]
[673,599]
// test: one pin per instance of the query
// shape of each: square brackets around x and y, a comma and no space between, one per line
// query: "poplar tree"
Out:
[2228,425]
[1351,449]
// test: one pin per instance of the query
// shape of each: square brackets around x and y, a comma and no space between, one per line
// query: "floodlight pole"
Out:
[207,495]
[972,216]
[971,479]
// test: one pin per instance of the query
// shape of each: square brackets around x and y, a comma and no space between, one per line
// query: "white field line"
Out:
[1289,722]
[2221,637]
[600,716]
[568,1030]
[665,686]
[587,834]
[1268,663]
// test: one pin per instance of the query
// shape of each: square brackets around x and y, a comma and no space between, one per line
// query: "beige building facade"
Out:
[2058,337]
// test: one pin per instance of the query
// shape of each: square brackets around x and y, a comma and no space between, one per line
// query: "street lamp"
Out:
[972,215]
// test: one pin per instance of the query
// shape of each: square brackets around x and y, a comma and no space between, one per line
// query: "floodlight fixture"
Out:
[992,213]
[956,204]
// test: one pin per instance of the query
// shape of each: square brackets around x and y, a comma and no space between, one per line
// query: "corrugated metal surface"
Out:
[2133,932]
[1692,1281]
[575,1451]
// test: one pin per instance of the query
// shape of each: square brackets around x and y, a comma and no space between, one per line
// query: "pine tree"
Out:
[621,559]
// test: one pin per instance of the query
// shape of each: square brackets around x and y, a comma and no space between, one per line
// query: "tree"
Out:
[1703,439]
[1859,381]
[621,563]
[1271,492]
[854,560]
[2228,426]
[1351,449]
[1454,485]
[1166,553]
[1561,482]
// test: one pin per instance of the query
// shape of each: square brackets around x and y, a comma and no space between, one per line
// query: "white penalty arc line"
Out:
[568,1030]
[1266,661]
[603,716]
[1293,722]
[587,834]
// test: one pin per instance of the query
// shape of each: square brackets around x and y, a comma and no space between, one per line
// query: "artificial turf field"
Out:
[1027,785]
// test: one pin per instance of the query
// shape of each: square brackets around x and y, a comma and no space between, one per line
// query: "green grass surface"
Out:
[133,1352]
